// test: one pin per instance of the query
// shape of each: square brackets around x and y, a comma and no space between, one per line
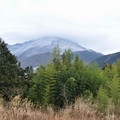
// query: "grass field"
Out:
[78,111]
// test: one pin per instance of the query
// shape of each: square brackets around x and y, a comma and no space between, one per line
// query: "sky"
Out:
[94,24]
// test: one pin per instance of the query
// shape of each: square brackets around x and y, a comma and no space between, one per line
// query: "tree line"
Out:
[61,81]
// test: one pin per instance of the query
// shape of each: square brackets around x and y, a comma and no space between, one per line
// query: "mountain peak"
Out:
[38,51]
[45,45]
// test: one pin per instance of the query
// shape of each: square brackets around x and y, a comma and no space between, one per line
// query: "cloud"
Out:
[93,23]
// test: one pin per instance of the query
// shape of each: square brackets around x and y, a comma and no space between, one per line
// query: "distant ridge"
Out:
[107,59]
[38,51]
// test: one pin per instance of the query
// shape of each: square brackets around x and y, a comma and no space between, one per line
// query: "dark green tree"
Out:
[11,75]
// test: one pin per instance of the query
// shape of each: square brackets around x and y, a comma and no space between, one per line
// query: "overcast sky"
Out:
[94,24]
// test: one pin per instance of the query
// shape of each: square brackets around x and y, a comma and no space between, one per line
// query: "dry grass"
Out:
[78,111]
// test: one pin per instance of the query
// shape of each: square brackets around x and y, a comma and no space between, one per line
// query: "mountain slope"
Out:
[107,59]
[88,55]
[44,45]
[36,52]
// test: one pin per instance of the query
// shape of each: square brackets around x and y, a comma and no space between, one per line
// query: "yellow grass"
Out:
[78,111]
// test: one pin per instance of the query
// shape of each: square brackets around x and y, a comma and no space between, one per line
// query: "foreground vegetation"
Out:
[57,86]
[22,110]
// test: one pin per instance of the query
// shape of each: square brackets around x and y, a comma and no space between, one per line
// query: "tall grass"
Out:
[21,110]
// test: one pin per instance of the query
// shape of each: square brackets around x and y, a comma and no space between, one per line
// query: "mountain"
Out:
[107,59]
[88,55]
[36,52]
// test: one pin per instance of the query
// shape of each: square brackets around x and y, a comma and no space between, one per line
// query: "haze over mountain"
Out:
[36,52]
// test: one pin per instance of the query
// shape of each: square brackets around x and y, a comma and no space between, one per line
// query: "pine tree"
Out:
[10,73]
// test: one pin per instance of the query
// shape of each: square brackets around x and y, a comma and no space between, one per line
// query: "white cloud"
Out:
[90,21]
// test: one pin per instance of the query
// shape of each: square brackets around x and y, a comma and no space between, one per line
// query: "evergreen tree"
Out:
[11,74]
[80,75]
[67,57]
[56,58]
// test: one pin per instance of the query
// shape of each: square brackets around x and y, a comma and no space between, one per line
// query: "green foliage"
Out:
[60,82]
[114,90]
[56,60]
[103,99]
[67,58]
[94,79]
[11,74]
[109,93]
[63,80]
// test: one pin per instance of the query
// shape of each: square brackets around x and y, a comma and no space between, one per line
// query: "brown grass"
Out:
[78,111]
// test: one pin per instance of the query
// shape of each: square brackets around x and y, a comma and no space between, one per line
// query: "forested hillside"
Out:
[107,59]
[61,82]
